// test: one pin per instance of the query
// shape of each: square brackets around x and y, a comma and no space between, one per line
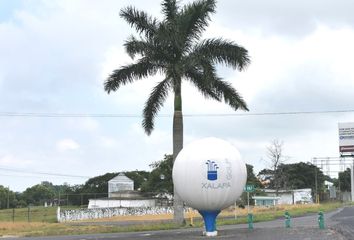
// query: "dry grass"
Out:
[18,228]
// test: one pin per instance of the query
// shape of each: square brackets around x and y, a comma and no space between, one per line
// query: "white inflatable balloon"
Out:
[209,174]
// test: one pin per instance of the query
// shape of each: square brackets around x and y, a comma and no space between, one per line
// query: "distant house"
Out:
[297,196]
[121,194]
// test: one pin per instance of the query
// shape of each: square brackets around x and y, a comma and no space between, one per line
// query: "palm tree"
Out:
[173,47]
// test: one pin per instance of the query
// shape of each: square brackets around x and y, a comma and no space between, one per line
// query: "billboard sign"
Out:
[346,138]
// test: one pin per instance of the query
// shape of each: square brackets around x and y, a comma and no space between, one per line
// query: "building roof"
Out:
[121,178]
[287,191]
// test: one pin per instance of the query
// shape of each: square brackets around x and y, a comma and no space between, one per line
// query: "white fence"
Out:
[84,214]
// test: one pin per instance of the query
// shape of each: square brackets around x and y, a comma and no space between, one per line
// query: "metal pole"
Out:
[28,214]
[316,184]
[352,181]
[8,197]
[248,201]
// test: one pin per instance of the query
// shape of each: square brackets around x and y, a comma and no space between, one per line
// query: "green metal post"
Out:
[28,214]
[321,220]
[250,221]
[287,219]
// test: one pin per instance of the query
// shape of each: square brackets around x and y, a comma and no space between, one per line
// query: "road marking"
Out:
[146,234]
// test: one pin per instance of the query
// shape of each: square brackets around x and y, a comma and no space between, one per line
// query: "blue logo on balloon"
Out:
[212,170]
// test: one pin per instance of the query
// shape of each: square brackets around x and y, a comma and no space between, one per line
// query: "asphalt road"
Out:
[344,222]
[339,226]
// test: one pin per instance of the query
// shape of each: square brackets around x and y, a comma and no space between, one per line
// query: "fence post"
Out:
[250,221]
[321,220]
[58,214]
[287,219]
[29,214]
[13,215]
[45,215]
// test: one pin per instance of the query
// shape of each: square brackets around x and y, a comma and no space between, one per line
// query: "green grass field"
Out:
[32,214]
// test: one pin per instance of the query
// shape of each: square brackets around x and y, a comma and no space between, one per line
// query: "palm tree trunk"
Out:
[177,147]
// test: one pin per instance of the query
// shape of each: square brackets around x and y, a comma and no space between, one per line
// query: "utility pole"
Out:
[316,192]
[352,181]
[343,160]
[8,197]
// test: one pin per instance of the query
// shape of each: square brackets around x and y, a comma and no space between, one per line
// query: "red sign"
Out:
[349,148]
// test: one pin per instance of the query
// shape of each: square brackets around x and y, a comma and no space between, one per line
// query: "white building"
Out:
[297,196]
[124,199]
[121,194]
[120,183]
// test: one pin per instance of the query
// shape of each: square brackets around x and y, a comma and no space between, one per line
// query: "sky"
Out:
[56,54]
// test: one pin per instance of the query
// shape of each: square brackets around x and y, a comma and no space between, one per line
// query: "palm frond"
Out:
[230,95]
[170,9]
[194,18]
[142,22]
[148,48]
[129,73]
[202,82]
[134,46]
[222,51]
[154,103]
[204,65]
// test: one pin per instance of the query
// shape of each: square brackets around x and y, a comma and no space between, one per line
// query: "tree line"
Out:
[159,180]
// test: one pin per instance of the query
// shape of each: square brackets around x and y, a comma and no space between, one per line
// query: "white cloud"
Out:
[67,145]
[108,142]
[85,124]
[10,160]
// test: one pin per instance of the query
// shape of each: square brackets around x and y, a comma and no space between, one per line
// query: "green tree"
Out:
[38,194]
[173,47]
[253,180]
[98,184]
[344,181]
[251,177]
[301,175]
[139,178]
[160,179]
[97,187]
[7,198]
[73,194]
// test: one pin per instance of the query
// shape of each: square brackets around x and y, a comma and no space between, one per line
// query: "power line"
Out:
[24,176]
[42,173]
[114,115]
